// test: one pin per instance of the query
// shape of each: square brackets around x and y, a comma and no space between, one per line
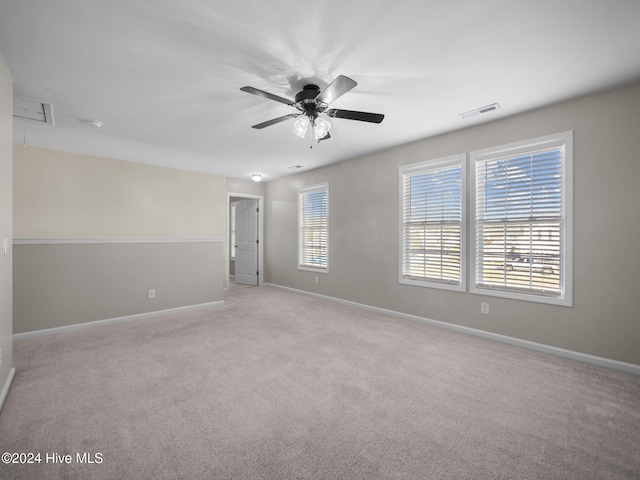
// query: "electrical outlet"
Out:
[152,293]
[484,308]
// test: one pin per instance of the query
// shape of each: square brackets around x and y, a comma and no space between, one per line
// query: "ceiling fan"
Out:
[311,103]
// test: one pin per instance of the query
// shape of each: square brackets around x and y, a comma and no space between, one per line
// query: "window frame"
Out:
[564,139]
[320,187]
[424,167]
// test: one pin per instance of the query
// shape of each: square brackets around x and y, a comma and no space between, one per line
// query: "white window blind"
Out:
[313,227]
[523,219]
[432,223]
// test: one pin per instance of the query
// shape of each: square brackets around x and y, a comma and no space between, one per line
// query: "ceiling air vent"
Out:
[31,109]
[481,110]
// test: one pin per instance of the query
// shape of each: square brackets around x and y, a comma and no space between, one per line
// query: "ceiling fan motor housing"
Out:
[306,101]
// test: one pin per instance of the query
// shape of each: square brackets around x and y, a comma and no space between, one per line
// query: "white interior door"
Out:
[247,242]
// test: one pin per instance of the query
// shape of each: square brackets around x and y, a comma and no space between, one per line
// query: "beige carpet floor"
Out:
[277,385]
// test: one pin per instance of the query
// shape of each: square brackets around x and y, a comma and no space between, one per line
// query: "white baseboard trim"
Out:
[109,321]
[5,388]
[538,347]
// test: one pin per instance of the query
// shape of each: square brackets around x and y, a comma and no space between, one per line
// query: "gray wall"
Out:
[59,284]
[364,231]
[6,285]
[67,195]
[94,235]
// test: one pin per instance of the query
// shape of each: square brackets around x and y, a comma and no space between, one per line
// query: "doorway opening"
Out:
[245,264]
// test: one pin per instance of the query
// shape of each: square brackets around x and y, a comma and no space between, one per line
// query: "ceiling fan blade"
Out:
[352,115]
[336,89]
[276,120]
[270,96]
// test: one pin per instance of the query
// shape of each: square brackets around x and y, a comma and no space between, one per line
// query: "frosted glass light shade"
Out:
[300,126]
[321,128]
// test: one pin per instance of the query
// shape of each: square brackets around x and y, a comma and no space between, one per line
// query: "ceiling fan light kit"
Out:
[312,103]
[320,127]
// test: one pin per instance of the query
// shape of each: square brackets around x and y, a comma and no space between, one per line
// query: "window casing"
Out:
[522,218]
[313,228]
[432,223]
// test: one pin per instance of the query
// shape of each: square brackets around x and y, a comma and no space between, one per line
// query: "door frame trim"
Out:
[260,199]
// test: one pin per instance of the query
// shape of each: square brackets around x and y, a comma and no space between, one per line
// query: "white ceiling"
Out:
[164,76]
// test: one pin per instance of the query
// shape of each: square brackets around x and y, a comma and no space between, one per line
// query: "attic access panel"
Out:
[30,109]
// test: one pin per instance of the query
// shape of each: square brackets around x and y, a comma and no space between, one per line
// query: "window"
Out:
[432,199]
[313,222]
[523,220]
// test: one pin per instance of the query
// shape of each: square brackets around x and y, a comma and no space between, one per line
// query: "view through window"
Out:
[432,198]
[522,218]
[313,231]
